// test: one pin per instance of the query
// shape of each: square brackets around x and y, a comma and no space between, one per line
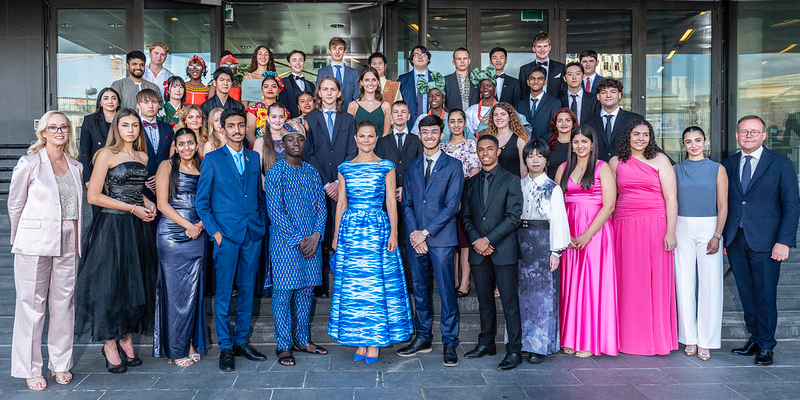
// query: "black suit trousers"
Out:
[486,275]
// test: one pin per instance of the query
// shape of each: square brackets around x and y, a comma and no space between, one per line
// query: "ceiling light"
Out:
[763,63]
[437,18]
[672,53]
[686,35]
[791,46]
[703,12]
[787,22]
[66,25]
[661,68]
[174,19]
[337,25]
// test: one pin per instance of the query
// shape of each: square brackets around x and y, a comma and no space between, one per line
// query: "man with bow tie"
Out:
[507,89]
[296,83]
[157,134]
[555,69]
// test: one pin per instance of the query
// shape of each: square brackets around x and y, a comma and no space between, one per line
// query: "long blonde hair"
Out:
[71,149]
[513,122]
[114,143]
[268,158]
[212,132]
[203,134]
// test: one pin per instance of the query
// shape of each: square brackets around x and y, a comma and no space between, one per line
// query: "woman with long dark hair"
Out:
[369,106]
[505,125]
[561,126]
[261,62]
[94,130]
[175,96]
[257,112]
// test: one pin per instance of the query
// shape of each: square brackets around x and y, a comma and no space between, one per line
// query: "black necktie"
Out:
[609,126]
[574,105]
[400,136]
[485,187]
[428,170]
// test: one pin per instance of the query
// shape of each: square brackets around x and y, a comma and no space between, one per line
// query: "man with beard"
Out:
[131,85]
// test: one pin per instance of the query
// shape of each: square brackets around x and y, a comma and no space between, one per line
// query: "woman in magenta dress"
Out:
[644,227]
[588,303]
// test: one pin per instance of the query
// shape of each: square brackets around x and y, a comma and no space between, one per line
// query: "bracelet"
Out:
[133,209]
[718,236]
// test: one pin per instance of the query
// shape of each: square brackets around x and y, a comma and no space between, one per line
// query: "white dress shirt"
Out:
[603,114]
[537,206]
[578,102]
[498,88]
[538,101]
[159,79]
[753,161]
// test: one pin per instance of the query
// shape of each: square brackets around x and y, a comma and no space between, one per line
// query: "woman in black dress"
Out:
[559,141]
[94,130]
[505,125]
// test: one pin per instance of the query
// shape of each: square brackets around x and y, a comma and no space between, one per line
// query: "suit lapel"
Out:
[336,124]
[229,161]
[763,165]
[436,167]
[492,186]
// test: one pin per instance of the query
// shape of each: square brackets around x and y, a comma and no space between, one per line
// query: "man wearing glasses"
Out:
[762,223]
[419,58]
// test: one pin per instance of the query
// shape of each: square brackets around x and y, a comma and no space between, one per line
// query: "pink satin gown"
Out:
[646,276]
[588,312]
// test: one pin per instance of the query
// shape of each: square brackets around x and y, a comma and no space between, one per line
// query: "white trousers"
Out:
[34,278]
[698,283]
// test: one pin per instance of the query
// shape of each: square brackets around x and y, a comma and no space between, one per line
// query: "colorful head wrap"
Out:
[198,59]
[229,59]
[274,75]
[436,82]
[477,75]
[296,125]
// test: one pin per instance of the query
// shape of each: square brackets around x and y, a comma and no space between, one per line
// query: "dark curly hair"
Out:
[254,59]
[624,148]
[553,139]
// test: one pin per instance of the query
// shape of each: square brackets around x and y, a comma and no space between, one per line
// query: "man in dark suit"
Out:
[417,101]
[490,214]
[583,104]
[461,93]
[330,142]
[761,226]
[230,202]
[347,77]
[612,120]
[538,107]
[157,133]
[430,207]
[223,80]
[295,83]
[589,61]
[555,69]
[507,88]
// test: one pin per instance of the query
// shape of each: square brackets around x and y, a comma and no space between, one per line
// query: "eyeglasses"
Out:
[752,133]
[56,129]
[419,55]
[231,66]
[194,67]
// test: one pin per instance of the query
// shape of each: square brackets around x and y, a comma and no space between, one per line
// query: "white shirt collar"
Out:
[300,75]
[435,156]
[425,72]
[539,97]
[603,113]
[538,181]
[592,77]
[756,153]
[579,94]
[334,63]
[233,152]
[397,132]
[324,110]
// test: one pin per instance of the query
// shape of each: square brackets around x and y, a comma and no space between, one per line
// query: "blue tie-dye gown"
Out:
[370,303]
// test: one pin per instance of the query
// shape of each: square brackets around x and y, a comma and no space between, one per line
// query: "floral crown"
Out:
[274,75]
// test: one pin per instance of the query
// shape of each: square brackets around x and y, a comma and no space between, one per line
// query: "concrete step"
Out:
[733,326]
[788,298]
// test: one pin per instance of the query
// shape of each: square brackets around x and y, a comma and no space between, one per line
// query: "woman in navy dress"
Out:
[370,307]
[181,242]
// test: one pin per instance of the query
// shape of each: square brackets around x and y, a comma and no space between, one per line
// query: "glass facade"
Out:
[447,31]
[186,31]
[513,30]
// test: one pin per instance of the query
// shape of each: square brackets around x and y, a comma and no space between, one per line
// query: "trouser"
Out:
[34,278]
[235,263]
[438,262]
[292,326]
[486,275]
[698,283]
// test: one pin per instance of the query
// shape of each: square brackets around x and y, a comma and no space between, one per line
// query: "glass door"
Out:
[512,29]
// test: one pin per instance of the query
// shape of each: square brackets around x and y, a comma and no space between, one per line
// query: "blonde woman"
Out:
[194,119]
[216,135]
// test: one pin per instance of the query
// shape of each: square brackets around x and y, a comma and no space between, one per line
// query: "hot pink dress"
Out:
[588,310]
[646,278]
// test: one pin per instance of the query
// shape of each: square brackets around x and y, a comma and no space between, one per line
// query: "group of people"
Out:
[542,189]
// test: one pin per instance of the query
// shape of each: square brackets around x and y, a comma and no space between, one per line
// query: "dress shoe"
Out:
[416,346]
[114,369]
[372,360]
[764,357]
[748,350]
[449,356]
[249,352]
[480,351]
[534,358]
[131,362]
[510,361]
[227,362]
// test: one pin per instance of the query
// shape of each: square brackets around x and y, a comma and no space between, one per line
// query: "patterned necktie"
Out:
[428,169]
[339,73]
[574,105]
[420,107]
[239,164]
[330,124]
[747,173]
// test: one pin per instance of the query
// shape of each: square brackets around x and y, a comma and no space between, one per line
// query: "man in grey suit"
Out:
[129,86]
[347,77]
[461,93]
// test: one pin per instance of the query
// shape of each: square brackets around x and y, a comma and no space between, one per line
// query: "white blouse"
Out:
[543,200]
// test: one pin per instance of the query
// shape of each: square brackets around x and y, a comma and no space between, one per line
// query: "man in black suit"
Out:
[507,87]
[761,226]
[582,103]
[491,206]
[538,107]
[555,69]
[611,120]
[589,61]
[295,83]
[158,136]
[461,93]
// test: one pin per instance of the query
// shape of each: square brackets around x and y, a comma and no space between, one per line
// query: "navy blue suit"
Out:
[349,84]
[288,96]
[408,84]
[540,121]
[156,156]
[765,214]
[593,89]
[233,205]
[434,207]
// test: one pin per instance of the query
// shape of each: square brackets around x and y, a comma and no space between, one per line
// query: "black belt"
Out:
[535,223]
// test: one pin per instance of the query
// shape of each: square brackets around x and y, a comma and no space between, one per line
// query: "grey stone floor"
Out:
[336,376]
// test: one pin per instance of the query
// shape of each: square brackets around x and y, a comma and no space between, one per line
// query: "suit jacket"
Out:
[230,203]
[606,149]
[593,89]
[323,154]
[511,90]
[555,78]
[497,220]
[453,98]
[589,105]
[545,110]
[128,90]
[156,156]
[408,89]
[433,206]
[387,148]
[769,208]
[288,96]
[94,133]
[349,84]
[34,206]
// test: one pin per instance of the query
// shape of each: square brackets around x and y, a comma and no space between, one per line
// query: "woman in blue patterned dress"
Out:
[370,306]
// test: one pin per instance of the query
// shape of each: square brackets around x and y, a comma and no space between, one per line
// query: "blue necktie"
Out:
[339,73]
[747,172]
[421,109]
[533,107]
[239,164]
[330,124]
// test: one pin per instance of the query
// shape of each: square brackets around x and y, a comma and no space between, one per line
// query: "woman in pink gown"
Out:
[644,227]
[588,311]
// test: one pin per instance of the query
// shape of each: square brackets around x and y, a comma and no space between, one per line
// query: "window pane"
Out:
[447,31]
[513,30]
[404,24]
[187,32]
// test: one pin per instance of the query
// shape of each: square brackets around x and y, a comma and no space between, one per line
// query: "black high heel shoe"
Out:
[131,362]
[114,369]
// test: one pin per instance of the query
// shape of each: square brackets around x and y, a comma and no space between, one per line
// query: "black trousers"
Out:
[506,278]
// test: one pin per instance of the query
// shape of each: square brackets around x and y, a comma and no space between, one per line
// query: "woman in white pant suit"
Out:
[702,210]
[44,205]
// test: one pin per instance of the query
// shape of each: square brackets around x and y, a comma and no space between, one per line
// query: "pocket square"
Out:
[557,76]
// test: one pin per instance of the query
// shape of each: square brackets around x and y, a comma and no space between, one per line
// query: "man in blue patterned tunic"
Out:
[296,209]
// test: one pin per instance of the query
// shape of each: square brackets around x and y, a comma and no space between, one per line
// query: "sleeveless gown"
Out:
[375,116]
[370,304]
[179,298]
[588,313]
[117,274]
[646,290]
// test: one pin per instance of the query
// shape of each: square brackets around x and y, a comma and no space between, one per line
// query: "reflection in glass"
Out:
[447,31]
[187,32]
[404,27]
[513,30]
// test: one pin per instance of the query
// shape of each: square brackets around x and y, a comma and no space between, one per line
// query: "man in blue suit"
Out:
[589,61]
[347,77]
[230,202]
[431,196]
[157,133]
[538,107]
[417,102]
[762,225]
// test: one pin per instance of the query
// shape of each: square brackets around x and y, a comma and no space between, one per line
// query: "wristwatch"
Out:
[426,233]
[718,236]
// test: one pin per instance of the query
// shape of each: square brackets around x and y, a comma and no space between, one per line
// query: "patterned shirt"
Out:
[463,88]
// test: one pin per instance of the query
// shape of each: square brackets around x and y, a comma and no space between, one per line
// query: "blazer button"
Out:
[424,201]
[245,195]
[484,218]
[744,203]
[100,143]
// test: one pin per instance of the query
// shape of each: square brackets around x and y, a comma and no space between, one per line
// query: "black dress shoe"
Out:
[416,346]
[534,358]
[510,361]
[764,357]
[227,362]
[748,350]
[450,358]
[480,351]
[249,352]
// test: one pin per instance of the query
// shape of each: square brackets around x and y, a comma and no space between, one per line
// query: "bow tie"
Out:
[544,64]
[148,124]
[297,78]
[500,76]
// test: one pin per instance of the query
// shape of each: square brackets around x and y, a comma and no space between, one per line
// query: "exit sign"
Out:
[532,16]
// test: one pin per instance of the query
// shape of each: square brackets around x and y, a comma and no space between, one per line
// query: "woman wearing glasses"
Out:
[196,90]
